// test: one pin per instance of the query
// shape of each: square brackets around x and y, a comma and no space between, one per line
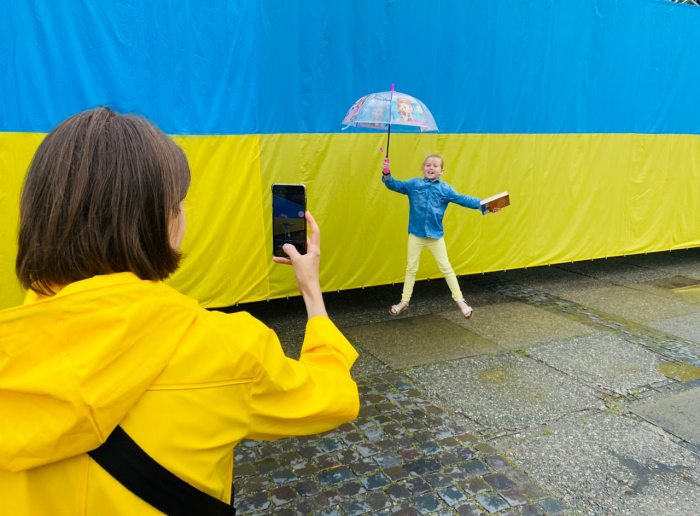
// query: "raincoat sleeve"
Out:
[402,187]
[463,200]
[308,396]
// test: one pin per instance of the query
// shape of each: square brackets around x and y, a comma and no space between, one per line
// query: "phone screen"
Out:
[288,218]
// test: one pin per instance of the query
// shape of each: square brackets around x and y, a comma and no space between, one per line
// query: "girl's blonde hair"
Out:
[442,161]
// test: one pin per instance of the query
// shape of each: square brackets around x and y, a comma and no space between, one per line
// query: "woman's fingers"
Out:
[291,251]
[315,231]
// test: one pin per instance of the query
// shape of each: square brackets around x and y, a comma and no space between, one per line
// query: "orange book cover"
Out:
[500,200]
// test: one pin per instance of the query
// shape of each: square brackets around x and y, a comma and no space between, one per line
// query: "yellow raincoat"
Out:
[186,384]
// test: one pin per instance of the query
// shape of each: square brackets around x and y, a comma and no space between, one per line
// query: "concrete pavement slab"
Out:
[547,279]
[671,287]
[628,303]
[614,269]
[679,414]
[371,305]
[672,282]
[506,391]
[610,464]
[525,324]
[603,361]
[418,340]
[434,295]
[681,262]
[689,270]
[684,326]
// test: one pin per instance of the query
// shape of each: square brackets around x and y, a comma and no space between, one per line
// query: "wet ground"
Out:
[574,389]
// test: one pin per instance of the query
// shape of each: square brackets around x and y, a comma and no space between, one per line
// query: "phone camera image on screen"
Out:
[288,218]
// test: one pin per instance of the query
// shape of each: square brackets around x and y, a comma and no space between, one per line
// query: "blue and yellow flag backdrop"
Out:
[586,112]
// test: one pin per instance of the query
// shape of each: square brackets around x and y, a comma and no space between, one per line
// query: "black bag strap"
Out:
[122,458]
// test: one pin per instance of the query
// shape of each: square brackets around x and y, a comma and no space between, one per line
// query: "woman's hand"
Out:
[306,268]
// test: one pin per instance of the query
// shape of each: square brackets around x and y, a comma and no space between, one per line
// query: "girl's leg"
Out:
[439,250]
[415,247]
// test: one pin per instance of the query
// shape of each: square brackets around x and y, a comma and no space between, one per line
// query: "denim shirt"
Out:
[428,201]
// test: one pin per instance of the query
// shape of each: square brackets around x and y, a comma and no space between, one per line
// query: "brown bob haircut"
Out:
[98,199]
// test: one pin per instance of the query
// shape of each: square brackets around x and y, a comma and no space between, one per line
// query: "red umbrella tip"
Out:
[392,86]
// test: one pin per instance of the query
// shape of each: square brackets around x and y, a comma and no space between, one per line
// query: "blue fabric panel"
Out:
[277,66]
[481,66]
[190,66]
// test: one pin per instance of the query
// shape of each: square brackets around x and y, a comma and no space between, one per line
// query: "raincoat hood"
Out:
[72,365]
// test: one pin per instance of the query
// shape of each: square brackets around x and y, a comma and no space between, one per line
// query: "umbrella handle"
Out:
[388,135]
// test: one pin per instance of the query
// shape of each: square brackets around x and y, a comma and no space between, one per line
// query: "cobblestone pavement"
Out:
[403,455]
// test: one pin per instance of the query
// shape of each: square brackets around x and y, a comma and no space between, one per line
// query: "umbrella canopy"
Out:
[387,108]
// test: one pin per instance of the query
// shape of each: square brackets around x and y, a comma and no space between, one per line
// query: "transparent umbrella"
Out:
[384,109]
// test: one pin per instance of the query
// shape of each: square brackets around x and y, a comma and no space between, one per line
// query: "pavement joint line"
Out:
[402,455]
[664,344]
[695,450]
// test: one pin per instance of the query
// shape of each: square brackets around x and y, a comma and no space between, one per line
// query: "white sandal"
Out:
[396,309]
[468,311]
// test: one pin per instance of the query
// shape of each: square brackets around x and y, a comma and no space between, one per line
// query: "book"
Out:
[500,200]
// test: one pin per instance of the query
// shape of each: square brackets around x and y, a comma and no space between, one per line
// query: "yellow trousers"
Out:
[437,247]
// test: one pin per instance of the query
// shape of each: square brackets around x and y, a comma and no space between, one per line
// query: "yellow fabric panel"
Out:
[574,197]
[225,252]
[16,152]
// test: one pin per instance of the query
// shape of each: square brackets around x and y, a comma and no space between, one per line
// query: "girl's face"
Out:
[432,168]
[177,227]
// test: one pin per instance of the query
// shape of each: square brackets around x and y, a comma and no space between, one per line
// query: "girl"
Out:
[102,347]
[428,198]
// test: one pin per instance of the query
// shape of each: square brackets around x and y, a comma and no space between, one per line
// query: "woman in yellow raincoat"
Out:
[101,341]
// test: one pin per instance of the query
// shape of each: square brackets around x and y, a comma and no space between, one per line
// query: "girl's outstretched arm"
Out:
[391,183]
[463,200]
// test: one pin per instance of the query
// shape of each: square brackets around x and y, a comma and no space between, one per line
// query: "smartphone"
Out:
[288,217]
